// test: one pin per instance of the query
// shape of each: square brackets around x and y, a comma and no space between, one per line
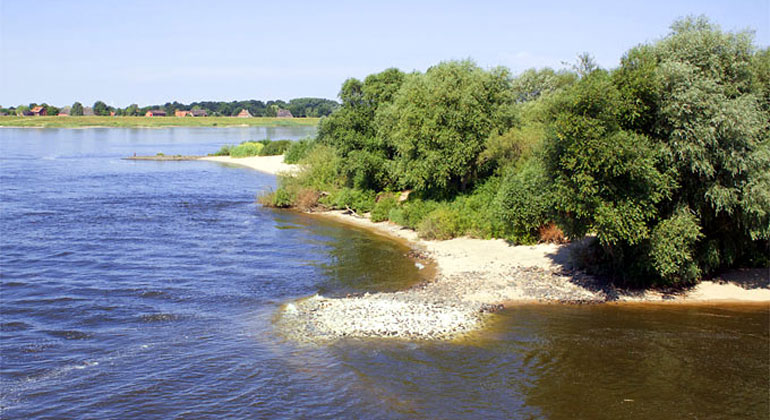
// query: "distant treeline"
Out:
[299,107]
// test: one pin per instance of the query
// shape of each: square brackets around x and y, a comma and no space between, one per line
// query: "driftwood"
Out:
[350,211]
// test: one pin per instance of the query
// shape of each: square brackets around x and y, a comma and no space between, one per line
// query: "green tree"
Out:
[50,109]
[439,122]
[100,108]
[606,179]
[77,109]
[132,110]
[351,130]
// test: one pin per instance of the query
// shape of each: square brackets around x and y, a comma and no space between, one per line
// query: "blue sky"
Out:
[150,52]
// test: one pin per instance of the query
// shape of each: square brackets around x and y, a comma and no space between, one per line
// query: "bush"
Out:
[298,150]
[478,215]
[320,170]
[385,203]
[411,213]
[359,201]
[442,224]
[246,149]
[524,201]
[224,150]
[274,148]
[282,198]
[673,248]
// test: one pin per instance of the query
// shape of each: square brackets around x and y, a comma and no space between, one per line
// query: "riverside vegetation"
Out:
[665,159]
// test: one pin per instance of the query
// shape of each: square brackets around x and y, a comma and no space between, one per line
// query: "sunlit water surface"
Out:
[148,290]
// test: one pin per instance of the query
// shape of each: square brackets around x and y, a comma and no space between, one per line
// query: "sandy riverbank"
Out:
[475,277]
[268,164]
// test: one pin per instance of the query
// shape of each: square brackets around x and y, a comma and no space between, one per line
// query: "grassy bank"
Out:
[151,122]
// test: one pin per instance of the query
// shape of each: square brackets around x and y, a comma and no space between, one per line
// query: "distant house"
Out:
[199,113]
[88,111]
[284,113]
[3,113]
[112,113]
[38,111]
[180,113]
[155,113]
[244,114]
[26,113]
[63,113]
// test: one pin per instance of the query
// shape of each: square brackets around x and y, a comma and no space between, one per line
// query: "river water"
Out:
[148,290]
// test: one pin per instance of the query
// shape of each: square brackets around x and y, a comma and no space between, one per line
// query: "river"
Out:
[149,289]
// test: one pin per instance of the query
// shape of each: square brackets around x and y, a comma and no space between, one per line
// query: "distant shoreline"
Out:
[151,122]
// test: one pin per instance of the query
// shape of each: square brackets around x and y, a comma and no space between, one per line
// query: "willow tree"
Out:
[351,129]
[669,164]
[439,122]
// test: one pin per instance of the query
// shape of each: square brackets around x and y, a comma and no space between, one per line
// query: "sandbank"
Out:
[268,164]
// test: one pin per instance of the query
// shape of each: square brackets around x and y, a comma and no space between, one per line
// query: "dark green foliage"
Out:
[673,245]
[606,180]
[525,201]
[298,150]
[76,110]
[100,108]
[275,147]
[351,130]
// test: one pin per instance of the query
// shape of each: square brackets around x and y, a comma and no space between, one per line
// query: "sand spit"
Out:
[268,164]
[476,277]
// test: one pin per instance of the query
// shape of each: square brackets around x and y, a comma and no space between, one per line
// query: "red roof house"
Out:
[155,113]
[38,111]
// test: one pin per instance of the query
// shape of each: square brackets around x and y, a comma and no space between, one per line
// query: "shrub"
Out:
[246,149]
[478,215]
[274,148]
[673,247]
[360,201]
[298,150]
[224,150]
[524,201]
[282,198]
[385,203]
[320,170]
[442,224]
[411,213]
